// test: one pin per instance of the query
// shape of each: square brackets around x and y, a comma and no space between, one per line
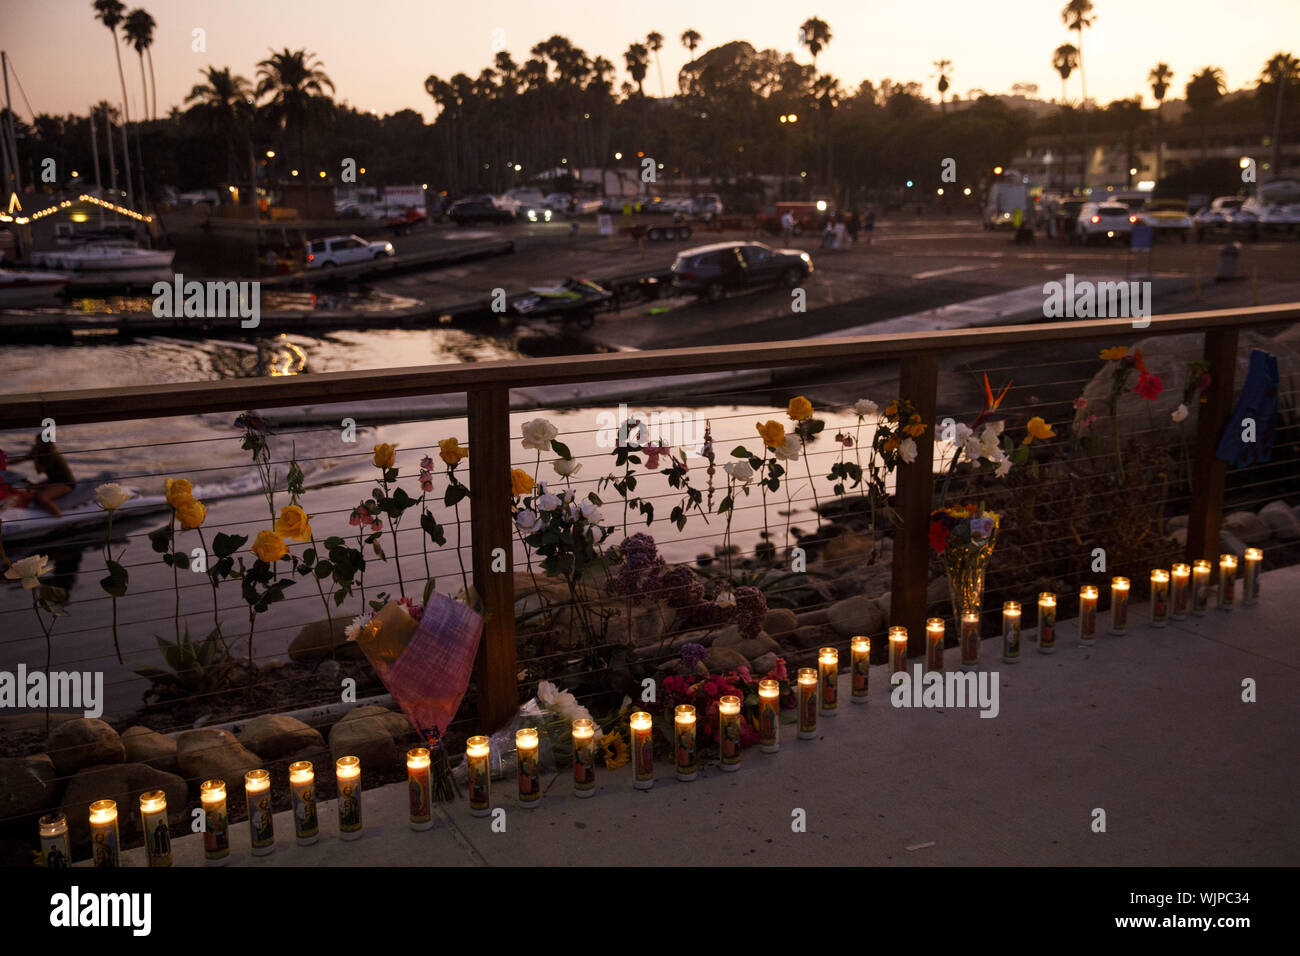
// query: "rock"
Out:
[1179,537]
[316,641]
[1229,543]
[804,590]
[813,618]
[1281,520]
[144,745]
[1176,522]
[1248,526]
[329,669]
[28,785]
[124,783]
[757,646]
[212,753]
[856,615]
[847,549]
[534,590]
[885,602]
[780,621]
[723,659]
[762,665]
[729,636]
[83,742]
[866,579]
[811,636]
[379,737]
[274,737]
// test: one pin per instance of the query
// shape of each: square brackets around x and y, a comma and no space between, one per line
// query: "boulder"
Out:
[723,659]
[144,745]
[728,636]
[937,592]
[780,621]
[867,579]
[813,618]
[754,647]
[1247,526]
[856,615]
[379,737]
[1176,522]
[27,785]
[1229,543]
[273,737]
[124,783]
[317,641]
[1281,520]
[83,742]
[811,636]
[211,753]
[885,602]
[760,666]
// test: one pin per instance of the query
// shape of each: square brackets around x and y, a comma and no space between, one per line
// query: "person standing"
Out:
[869,223]
[853,225]
[787,226]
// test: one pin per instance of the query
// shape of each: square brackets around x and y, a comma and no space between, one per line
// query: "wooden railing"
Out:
[487,386]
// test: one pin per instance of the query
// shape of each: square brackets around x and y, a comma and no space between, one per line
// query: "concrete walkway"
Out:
[1149,727]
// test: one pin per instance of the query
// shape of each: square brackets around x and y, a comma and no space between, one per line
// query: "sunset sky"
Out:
[379,52]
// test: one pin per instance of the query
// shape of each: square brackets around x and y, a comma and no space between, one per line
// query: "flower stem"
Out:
[108,556]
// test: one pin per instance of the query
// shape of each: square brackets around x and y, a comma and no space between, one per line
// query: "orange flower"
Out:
[191,513]
[800,408]
[1037,428]
[293,523]
[916,431]
[385,455]
[1140,365]
[773,433]
[891,444]
[521,482]
[1114,354]
[891,409]
[177,490]
[449,451]
[269,547]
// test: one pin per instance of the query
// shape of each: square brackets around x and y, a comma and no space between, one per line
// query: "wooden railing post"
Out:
[1208,473]
[489,478]
[918,383]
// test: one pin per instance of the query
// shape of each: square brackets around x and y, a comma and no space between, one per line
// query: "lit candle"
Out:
[1119,587]
[828,672]
[418,783]
[1250,576]
[1227,580]
[257,792]
[1159,597]
[1047,622]
[860,650]
[478,754]
[1181,577]
[56,848]
[153,823]
[684,741]
[302,791]
[1200,586]
[347,771]
[970,638]
[216,824]
[643,753]
[1011,631]
[769,714]
[1087,614]
[897,649]
[808,681]
[103,833]
[934,634]
[729,731]
[528,756]
[584,757]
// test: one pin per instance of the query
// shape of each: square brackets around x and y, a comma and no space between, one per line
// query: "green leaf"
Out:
[309,557]
[332,542]
[116,582]
[160,538]
[455,494]
[740,451]
[561,449]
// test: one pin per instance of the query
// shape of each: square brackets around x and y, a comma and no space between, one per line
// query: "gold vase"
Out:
[965,564]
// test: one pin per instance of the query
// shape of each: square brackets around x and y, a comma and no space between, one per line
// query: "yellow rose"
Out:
[916,431]
[177,490]
[800,408]
[1114,354]
[269,547]
[190,513]
[385,456]
[451,452]
[521,482]
[1037,428]
[891,409]
[773,433]
[293,523]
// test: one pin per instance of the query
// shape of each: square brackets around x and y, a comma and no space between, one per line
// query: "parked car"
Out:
[1256,218]
[532,212]
[1104,221]
[341,250]
[1217,216]
[403,224]
[527,196]
[707,204]
[467,211]
[1167,218]
[807,217]
[713,271]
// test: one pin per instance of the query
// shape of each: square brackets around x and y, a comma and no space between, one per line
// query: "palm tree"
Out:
[293,78]
[691,40]
[1160,76]
[1203,91]
[107,110]
[655,41]
[137,31]
[944,67]
[1077,15]
[1282,70]
[1064,60]
[815,34]
[223,104]
[109,13]
[637,59]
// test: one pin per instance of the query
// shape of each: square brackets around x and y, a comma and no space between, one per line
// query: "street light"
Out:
[618,155]
[270,154]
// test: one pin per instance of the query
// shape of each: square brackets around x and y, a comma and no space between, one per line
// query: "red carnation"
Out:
[939,533]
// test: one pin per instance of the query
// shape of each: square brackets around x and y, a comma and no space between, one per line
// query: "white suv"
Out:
[1104,221]
[341,250]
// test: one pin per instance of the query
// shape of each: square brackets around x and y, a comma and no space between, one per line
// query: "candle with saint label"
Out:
[103,833]
[860,649]
[1254,558]
[56,848]
[261,827]
[1179,590]
[643,763]
[1159,597]
[347,771]
[153,823]
[1011,632]
[1227,580]
[1047,622]
[729,731]
[808,681]
[478,754]
[418,783]
[584,757]
[527,752]
[1200,586]
[828,671]
[897,649]
[216,823]
[970,638]
[684,741]
[302,791]
[1119,588]
[1087,614]
[934,635]
[769,712]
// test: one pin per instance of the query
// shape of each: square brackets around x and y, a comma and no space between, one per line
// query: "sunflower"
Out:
[615,751]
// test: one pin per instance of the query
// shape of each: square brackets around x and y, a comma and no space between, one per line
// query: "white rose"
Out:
[566,467]
[528,521]
[538,434]
[907,449]
[790,450]
[547,502]
[590,511]
[989,440]
[1004,466]
[28,570]
[1179,414]
[739,470]
[546,692]
[112,496]
[597,534]
[725,599]
[865,407]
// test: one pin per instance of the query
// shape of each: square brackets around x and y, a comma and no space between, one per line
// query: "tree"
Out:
[109,13]
[943,67]
[691,39]
[137,31]
[1064,60]
[1280,71]
[294,79]
[815,34]
[1160,76]
[655,42]
[637,59]
[1203,91]
[1077,15]
[222,105]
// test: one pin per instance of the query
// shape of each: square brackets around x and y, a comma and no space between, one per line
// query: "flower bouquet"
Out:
[963,536]
[426,664]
